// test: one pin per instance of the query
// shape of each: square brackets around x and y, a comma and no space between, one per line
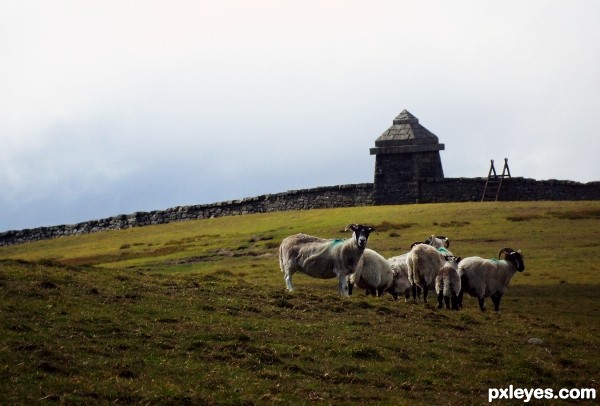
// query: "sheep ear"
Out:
[350,227]
[458,259]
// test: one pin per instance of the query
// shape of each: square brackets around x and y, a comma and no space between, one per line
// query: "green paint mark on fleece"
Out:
[443,251]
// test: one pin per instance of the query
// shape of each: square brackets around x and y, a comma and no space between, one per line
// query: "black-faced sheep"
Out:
[323,258]
[489,277]
[447,284]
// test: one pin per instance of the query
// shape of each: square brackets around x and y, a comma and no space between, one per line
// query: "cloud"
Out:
[116,107]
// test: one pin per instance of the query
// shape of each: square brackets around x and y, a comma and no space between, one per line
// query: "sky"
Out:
[112,107]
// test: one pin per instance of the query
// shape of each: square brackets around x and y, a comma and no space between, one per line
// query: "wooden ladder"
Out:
[494,182]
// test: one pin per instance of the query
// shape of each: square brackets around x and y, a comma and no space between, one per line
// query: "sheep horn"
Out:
[504,251]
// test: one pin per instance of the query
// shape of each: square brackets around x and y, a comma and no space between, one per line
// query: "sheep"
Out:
[489,277]
[435,241]
[399,265]
[447,284]
[373,273]
[424,261]
[323,258]
[401,284]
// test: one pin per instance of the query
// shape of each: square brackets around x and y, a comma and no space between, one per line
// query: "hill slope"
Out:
[197,312]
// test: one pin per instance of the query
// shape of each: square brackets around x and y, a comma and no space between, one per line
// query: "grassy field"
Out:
[196,312]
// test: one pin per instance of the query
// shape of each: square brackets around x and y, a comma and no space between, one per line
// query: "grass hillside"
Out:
[197,312]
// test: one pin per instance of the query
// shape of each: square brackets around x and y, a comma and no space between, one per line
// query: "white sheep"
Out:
[447,284]
[323,258]
[401,284]
[373,274]
[424,262]
[489,277]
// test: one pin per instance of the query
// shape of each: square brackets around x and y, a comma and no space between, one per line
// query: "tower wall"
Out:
[396,175]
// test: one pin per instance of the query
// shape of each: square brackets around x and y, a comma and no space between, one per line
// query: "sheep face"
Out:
[361,234]
[516,258]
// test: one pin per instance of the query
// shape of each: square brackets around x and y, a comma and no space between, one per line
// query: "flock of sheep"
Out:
[428,265]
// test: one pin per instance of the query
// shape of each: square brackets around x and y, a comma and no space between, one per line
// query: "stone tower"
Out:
[404,153]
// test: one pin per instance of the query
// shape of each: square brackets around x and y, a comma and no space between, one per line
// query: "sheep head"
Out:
[431,239]
[452,258]
[445,240]
[514,257]
[361,233]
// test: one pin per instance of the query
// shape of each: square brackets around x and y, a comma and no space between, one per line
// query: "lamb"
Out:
[374,274]
[424,262]
[323,258]
[489,277]
[447,284]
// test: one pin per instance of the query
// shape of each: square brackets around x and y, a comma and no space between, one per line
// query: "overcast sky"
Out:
[112,107]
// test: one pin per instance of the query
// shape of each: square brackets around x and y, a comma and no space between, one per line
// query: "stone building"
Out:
[405,153]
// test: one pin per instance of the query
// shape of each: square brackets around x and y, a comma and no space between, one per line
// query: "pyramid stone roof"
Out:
[406,135]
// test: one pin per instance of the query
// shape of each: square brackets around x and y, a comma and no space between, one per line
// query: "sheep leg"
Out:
[459,300]
[393,293]
[496,299]
[414,291]
[343,285]
[481,305]
[350,287]
[440,300]
[447,301]
[288,281]
[425,291]
[454,301]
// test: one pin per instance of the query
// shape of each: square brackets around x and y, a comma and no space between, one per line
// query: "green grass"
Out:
[196,312]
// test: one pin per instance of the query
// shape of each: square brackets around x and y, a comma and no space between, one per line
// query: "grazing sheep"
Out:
[322,258]
[447,284]
[424,262]
[401,284]
[373,274]
[489,277]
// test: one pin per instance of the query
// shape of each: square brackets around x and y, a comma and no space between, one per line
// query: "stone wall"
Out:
[513,189]
[423,191]
[304,199]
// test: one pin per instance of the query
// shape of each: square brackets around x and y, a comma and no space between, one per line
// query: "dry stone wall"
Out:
[422,191]
[304,199]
